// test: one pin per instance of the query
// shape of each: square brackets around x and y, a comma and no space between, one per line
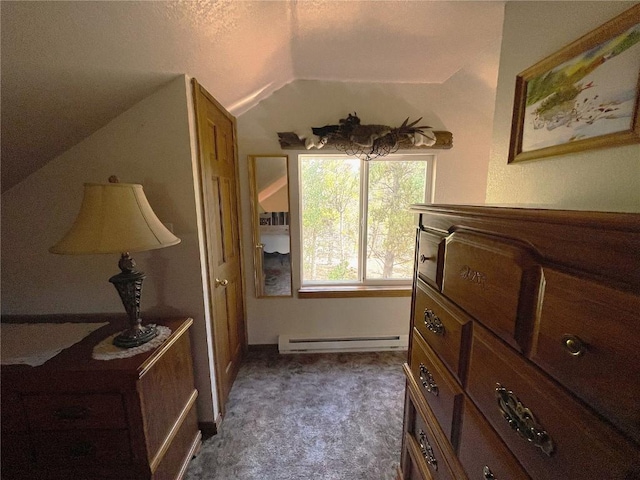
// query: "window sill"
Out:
[354,291]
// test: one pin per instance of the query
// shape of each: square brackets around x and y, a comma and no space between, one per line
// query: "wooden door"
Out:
[218,171]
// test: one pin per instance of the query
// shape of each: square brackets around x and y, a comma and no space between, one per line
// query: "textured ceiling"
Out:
[70,67]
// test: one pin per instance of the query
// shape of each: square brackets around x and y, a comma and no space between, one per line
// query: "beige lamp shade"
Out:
[114,218]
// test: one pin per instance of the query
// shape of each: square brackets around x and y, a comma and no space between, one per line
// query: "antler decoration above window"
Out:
[367,141]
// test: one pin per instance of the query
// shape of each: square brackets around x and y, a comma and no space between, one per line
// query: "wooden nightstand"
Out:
[79,418]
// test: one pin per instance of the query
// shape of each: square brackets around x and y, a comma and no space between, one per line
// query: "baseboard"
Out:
[314,344]
[263,347]
[209,429]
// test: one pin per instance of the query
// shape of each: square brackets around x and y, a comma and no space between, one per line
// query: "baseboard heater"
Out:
[302,344]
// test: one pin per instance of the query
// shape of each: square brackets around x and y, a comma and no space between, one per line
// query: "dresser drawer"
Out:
[61,412]
[429,245]
[445,328]
[12,417]
[426,463]
[482,452]
[567,440]
[81,447]
[437,386]
[585,341]
[16,452]
[496,281]
[413,470]
[424,447]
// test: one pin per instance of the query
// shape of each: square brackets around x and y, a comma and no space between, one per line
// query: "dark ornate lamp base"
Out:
[136,336]
[129,285]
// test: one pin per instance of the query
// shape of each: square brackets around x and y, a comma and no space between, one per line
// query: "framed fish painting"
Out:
[584,96]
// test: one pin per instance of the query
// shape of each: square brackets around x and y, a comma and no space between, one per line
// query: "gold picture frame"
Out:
[582,97]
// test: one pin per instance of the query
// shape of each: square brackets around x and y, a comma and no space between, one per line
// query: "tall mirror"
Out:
[269,180]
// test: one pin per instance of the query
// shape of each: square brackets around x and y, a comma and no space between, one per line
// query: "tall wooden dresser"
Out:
[524,359]
[123,419]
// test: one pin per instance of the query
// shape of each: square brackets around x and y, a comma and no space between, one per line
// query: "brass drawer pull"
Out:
[522,420]
[82,449]
[427,451]
[72,412]
[432,322]
[487,473]
[574,345]
[427,380]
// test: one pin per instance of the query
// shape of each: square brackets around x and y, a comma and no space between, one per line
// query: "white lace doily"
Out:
[106,350]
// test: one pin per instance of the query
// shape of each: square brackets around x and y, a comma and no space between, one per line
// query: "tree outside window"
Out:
[356,227]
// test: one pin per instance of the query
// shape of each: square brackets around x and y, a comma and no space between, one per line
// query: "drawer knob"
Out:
[522,420]
[82,449]
[72,412]
[432,322]
[487,474]
[574,345]
[424,258]
[427,380]
[427,451]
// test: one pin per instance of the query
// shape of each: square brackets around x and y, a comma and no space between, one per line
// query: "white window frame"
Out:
[430,171]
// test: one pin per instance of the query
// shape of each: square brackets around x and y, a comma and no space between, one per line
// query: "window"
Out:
[356,227]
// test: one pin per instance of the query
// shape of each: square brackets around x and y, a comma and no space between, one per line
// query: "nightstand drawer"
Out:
[62,412]
[496,281]
[445,328]
[584,341]
[550,433]
[428,248]
[437,386]
[82,447]
[482,452]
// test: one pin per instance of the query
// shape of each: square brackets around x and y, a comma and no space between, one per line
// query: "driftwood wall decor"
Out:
[367,141]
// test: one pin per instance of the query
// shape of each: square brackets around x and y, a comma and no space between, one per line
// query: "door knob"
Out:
[222,283]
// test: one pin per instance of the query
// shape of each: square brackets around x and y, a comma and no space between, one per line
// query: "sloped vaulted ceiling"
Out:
[70,67]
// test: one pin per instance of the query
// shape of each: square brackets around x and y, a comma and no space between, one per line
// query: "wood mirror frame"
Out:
[270,201]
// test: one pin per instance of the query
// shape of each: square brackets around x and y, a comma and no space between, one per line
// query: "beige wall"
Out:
[462,105]
[151,144]
[604,180]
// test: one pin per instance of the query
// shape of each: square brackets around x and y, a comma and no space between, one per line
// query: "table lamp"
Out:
[117,218]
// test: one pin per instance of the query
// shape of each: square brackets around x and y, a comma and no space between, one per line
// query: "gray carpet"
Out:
[277,270]
[313,416]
